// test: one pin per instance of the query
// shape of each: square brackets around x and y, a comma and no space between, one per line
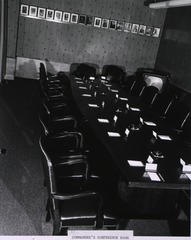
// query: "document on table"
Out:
[164,137]
[123,99]
[150,123]
[113,134]
[134,163]
[93,105]
[86,95]
[154,176]
[82,87]
[103,120]
[135,109]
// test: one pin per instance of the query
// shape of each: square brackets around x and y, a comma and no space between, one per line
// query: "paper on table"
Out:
[108,85]
[151,167]
[150,123]
[164,137]
[182,162]
[79,82]
[114,90]
[78,78]
[154,176]
[150,159]
[188,175]
[113,134]
[86,95]
[134,163]
[102,120]
[186,168]
[93,105]
[124,99]
[135,109]
[83,87]
[127,131]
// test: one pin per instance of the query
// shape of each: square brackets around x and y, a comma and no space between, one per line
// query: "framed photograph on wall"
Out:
[127,27]
[142,29]
[58,16]
[24,9]
[41,12]
[105,23]
[119,26]
[66,17]
[82,19]
[112,24]
[74,18]
[156,32]
[135,28]
[32,11]
[49,14]
[149,31]
[97,22]
[89,20]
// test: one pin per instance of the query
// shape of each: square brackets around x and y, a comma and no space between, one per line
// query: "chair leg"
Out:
[48,215]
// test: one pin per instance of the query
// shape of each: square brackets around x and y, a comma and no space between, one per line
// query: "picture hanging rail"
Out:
[82,19]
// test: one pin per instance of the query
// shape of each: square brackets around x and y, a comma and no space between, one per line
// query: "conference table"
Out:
[144,149]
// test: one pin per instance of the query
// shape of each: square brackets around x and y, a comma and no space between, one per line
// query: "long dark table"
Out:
[139,140]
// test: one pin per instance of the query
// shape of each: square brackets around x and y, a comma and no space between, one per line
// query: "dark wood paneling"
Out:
[175,47]
[68,43]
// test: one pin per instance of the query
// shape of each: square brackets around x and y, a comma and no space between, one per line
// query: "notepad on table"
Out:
[82,87]
[78,78]
[79,82]
[93,105]
[154,176]
[150,123]
[114,90]
[86,95]
[108,85]
[164,137]
[103,120]
[135,109]
[113,134]
[134,163]
[123,99]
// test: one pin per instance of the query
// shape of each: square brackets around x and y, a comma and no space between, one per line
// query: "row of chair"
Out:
[151,88]
[75,190]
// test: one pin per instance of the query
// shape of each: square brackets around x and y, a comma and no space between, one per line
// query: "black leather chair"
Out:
[177,114]
[148,95]
[137,88]
[114,74]
[84,70]
[66,207]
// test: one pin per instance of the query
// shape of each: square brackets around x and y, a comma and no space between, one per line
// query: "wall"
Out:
[69,43]
[175,47]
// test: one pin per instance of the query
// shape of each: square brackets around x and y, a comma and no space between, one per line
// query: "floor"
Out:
[22,195]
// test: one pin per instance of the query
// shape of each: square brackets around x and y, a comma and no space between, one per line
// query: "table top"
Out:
[147,153]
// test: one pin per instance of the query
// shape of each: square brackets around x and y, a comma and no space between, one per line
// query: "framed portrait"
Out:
[41,12]
[66,17]
[24,9]
[97,22]
[142,29]
[119,26]
[149,31]
[105,23]
[49,14]
[127,27]
[135,28]
[58,16]
[32,11]
[112,24]
[82,19]
[74,18]
[89,20]
[156,32]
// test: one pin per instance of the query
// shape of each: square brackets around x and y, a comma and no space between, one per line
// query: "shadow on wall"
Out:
[27,68]
[50,68]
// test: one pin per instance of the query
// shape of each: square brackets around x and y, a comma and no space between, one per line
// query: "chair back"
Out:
[114,73]
[149,95]
[85,70]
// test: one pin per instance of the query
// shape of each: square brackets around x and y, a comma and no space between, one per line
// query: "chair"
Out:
[85,71]
[114,74]
[148,95]
[137,88]
[68,208]
[177,114]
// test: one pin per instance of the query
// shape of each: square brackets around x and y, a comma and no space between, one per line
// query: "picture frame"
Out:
[89,20]
[127,27]
[149,31]
[135,28]
[41,12]
[82,19]
[156,32]
[58,16]
[112,24]
[24,9]
[105,23]
[120,26]
[142,29]
[66,17]
[32,11]
[97,22]
[74,18]
[49,14]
